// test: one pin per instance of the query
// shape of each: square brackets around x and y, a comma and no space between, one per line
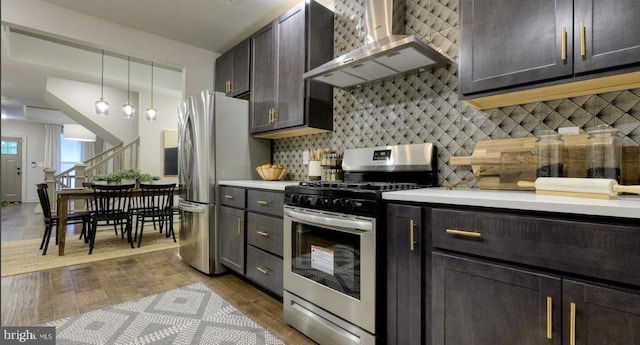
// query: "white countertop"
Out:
[273,185]
[627,206]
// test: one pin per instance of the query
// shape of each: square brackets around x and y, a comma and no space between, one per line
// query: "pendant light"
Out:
[102,107]
[128,110]
[151,111]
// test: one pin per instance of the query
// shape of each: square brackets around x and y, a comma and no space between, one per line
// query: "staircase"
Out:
[114,159]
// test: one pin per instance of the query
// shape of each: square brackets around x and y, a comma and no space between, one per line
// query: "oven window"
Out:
[328,257]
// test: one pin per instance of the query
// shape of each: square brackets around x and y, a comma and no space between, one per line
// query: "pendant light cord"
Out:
[102,78]
[151,83]
[128,79]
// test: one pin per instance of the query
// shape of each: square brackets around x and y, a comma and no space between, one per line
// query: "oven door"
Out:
[330,261]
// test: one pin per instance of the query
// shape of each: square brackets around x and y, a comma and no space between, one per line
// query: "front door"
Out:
[11,169]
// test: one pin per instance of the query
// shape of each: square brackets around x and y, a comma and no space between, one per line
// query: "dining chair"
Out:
[89,205]
[52,221]
[111,204]
[156,205]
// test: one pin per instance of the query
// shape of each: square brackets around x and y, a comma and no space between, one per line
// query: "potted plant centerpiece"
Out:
[126,176]
[129,176]
[111,178]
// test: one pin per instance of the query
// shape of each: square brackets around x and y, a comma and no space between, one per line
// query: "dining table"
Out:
[65,195]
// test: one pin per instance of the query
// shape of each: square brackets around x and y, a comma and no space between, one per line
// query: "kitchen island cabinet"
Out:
[509,47]
[525,275]
[282,103]
[232,70]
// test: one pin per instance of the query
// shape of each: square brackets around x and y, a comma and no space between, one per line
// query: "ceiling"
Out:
[214,25]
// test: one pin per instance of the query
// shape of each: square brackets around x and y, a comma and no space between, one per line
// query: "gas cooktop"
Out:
[370,186]
[368,173]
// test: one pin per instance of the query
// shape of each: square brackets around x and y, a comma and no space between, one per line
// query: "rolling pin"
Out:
[579,187]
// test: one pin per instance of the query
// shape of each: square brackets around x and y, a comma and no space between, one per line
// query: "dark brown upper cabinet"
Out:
[515,52]
[608,32]
[508,43]
[283,104]
[233,70]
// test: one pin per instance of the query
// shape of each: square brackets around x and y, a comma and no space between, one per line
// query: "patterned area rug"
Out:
[191,314]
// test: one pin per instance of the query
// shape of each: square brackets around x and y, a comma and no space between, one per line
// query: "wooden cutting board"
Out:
[500,164]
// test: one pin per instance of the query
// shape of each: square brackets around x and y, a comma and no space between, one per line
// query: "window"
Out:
[9,147]
[70,153]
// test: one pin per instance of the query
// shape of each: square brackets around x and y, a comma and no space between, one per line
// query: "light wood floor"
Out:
[39,297]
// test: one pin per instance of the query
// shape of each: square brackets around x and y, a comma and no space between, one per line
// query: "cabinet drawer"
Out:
[265,232]
[232,196]
[265,269]
[265,202]
[581,247]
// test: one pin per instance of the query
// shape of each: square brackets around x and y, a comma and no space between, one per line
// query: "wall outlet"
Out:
[569,130]
[305,157]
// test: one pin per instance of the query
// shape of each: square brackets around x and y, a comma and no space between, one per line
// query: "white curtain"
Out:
[52,146]
[88,150]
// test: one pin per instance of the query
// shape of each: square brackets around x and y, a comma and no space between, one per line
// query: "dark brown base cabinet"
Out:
[481,303]
[231,228]
[232,237]
[478,303]
[250,231]
[265,239]
[601,316]
[408,244]
[511,277]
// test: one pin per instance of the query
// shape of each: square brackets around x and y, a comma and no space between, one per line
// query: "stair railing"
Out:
[114,159]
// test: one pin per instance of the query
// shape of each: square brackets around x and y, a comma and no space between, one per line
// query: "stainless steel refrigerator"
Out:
[213,144]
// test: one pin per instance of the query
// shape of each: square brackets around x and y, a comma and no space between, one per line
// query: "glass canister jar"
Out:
[550,155]
[605,153]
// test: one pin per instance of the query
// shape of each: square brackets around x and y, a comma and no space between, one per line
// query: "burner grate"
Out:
[373,186]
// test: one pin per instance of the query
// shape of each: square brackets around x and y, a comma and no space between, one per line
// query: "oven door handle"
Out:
[324,221]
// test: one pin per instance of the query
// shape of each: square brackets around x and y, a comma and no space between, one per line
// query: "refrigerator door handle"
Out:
[189,207]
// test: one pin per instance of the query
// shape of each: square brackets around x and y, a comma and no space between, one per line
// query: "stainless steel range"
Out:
[333,265]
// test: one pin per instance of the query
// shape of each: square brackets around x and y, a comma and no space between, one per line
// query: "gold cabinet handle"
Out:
[263,233]
[412,241]
[230,86]
[262,269]
[563,39]
[262,202]
[226,86]
[228,196]
[275,118]
[238,224]
[270,115]
[463,233]
[549,312]
[583,40]
[572,325]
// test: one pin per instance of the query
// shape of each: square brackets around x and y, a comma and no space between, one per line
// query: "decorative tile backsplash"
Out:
[425,107]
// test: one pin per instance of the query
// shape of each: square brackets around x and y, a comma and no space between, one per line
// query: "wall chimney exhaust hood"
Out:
[387,54]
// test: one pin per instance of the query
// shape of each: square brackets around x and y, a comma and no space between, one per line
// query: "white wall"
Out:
[77,101]
[151,145]
[34,150]
[54,21]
